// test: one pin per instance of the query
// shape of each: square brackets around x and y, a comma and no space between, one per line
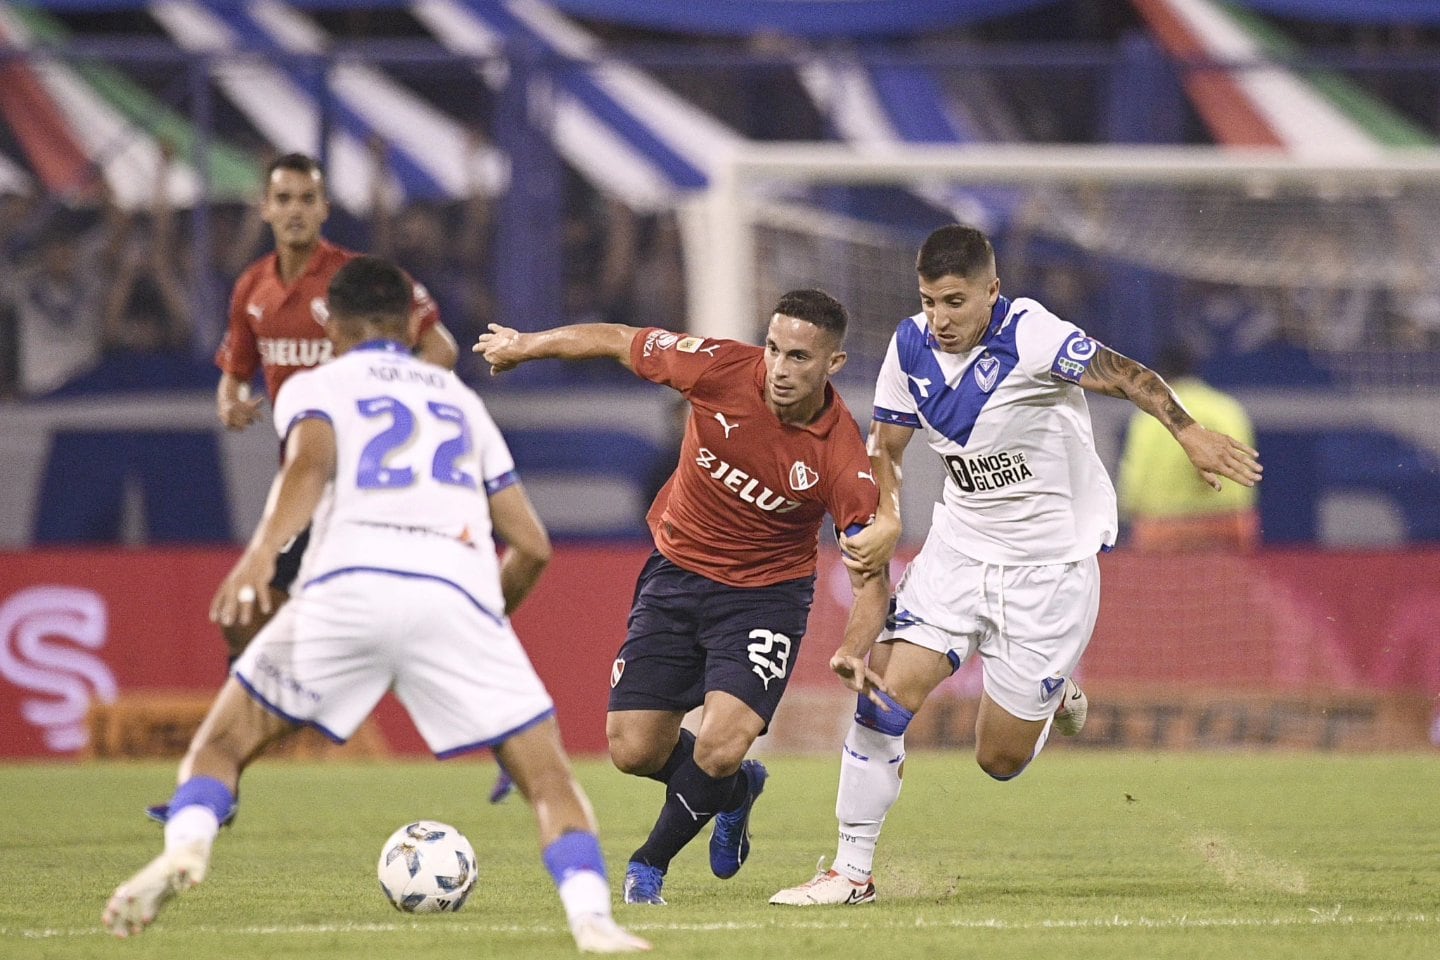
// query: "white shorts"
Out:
[1030,624]
[333,651]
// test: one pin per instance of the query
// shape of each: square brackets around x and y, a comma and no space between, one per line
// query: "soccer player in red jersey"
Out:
[721,606]
[276,323]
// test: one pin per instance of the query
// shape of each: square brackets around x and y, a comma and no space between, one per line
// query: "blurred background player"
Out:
[401,590]
[1167,505]
[722,604]
[1008,569]
[274,324]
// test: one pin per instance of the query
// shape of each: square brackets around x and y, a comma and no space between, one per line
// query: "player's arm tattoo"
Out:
[1116,375]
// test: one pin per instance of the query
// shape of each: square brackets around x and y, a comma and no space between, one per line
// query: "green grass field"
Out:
[1087,855]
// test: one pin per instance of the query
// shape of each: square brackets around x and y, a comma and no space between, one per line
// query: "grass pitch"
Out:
[1088,855]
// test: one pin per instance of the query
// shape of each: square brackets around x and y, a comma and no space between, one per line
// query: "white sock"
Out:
[869,786]
[192,828]
[585,893]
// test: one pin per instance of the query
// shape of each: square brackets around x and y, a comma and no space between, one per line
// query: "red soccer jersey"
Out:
[273,326]
[745,504]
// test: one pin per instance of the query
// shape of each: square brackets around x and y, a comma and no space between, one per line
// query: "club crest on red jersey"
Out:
[802,476]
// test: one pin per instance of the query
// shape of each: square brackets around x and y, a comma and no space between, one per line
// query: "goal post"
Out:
[1362,231]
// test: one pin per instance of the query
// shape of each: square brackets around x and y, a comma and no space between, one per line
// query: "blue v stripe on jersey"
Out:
[953,410]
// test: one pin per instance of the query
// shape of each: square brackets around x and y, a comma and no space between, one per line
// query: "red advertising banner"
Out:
[1318,649]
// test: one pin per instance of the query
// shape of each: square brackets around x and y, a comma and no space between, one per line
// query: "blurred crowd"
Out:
[90,292]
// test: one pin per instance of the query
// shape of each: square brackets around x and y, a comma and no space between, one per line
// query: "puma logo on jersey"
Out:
[921,383]
[743,485]
[726,423]
[865,476]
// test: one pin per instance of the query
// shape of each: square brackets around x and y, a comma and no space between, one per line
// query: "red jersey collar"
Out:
[324,250]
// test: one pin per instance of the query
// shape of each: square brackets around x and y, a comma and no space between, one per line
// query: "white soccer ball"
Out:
[427,867]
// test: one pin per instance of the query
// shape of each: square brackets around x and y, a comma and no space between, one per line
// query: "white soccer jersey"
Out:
[417,457]
[1024,484]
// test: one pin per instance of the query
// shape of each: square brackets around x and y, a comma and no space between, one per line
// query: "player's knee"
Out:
[999,763]
[892,722]
[632,754]
[720,756]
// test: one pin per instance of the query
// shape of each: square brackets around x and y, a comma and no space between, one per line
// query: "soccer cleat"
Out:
[730,842]
[1070,715]
[827,887]
[137,901]
[504,786]
[643,883]
[597,934]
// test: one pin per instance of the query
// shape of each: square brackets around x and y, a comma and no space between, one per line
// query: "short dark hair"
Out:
[817,307]
[369,290]
[954,251]
[296,162]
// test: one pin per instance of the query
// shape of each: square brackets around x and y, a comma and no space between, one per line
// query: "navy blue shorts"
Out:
[689,635]
[287,562]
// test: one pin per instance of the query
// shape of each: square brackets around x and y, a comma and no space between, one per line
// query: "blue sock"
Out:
[204,792]
[572,853]
[692,798]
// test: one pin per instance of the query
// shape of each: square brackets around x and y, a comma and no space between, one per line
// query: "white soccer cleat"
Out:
[597,934]
[827,888]
[1070,715]
[137,901]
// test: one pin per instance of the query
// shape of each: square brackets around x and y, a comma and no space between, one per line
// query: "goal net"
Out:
[1223,252]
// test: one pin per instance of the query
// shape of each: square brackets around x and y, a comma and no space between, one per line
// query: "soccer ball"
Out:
[427,867]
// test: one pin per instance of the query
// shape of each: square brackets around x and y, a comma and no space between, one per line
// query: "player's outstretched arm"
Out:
[870,605]
[1214,454]
[527,545]
[505,348]
[309,466]
[870,550]
[233,403]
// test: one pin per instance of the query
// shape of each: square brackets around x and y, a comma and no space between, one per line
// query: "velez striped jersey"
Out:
[1024,484]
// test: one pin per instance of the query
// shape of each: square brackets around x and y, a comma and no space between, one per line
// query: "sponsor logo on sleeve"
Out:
[689,344]
[659,340]
[1074,357]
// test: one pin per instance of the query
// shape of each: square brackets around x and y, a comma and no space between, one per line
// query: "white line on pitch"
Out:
[1317,918]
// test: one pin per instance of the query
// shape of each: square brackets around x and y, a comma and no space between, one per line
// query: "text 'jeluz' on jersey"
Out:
[294,351]
[743,485]
[987,471]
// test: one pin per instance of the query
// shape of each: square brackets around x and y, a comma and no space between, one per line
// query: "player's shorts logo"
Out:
[802,476]
[1051,686]
[769,655]
[616,670]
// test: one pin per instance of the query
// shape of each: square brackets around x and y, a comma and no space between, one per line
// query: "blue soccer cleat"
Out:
[643,883]
[730,843]
[504,786]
